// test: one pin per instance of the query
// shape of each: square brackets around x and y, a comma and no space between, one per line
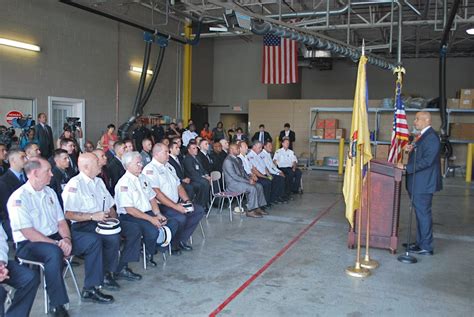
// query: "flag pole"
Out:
[367,262]
[357,270]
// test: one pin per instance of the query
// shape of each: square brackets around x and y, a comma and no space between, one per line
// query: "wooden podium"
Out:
[384,196]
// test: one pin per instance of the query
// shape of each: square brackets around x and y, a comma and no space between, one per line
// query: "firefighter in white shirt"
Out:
[169,192]
[286,160]
[86,202]
[135,200]
[272,186]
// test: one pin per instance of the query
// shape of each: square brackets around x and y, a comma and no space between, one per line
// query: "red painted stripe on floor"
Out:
[272,260]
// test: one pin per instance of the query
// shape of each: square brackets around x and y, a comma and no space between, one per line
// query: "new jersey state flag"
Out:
[360,145]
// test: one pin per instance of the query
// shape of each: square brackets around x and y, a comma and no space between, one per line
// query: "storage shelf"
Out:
[324,168]
[314,111]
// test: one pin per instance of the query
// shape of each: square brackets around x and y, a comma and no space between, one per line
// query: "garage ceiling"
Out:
[347,21]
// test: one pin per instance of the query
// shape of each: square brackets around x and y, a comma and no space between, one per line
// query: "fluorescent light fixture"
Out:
[139,70]
[21,45]
[470,31]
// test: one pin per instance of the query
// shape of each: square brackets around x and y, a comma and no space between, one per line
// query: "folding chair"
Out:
[67,261]
[145,265]
[222,194]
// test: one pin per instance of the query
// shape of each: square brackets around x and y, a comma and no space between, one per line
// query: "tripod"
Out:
[407,258]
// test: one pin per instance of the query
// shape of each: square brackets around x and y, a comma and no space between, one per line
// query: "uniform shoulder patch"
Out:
[149,172]
[17,203]
[124,188]
[72,190]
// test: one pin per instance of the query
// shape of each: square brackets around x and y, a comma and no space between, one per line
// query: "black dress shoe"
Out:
[150,260]
[412,245]
[185,247]
[96,296]
[176,252]
[59,311]
[422,252]
[127,274]
[110,283]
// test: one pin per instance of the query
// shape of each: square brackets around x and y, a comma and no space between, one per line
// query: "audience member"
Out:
[146,151]
[115,169]
[218,156]
[24,280]
[32,150]
[286,160]
[172,131]
[30,138]
[180,128]
[157,132]
[136,203]
[205,132]
[189,135]
[203,156]
[239,136]
[225,145]
[261,135]
[44,135]
[3,163]
[196,172]
[287,133]
[108,137]
[237,180]
[218,132]
[128,145]
[60,176]
[89,147]
[69,147]
[13,178]
[169,191]
[104,175]
[277,175]
[140,133]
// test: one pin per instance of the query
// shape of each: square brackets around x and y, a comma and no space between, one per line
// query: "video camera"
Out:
[25,123]
[73,123]
[6,136]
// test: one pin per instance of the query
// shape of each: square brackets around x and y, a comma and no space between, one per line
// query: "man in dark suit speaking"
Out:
[45,136]
[423,173]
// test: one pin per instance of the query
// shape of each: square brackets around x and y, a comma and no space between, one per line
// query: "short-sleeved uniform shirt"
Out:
[29,208]
[133,191]
[84,194]
[257,162]
[163,178]
[285,158]
[267,159]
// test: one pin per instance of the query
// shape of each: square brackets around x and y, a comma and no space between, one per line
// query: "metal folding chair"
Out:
[222,194]
[67,261]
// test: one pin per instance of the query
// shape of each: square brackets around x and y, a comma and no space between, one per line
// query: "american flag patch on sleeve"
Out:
[17,203]
[124,188]
[72,190]
[149,172]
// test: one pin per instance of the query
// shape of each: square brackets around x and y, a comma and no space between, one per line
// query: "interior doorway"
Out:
[235,120]
[200,114]
[59,109]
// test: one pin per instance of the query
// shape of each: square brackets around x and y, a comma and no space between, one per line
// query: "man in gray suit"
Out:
[238,181]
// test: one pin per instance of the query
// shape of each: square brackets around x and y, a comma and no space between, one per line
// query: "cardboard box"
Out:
[452,103]
[461,131]
[467,93]
[319,133]
[320,123]
[340,133]
[466,103]
[331,123]
[330,134]
[381,152]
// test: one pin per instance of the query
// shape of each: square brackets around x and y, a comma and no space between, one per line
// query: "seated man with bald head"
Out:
[86,202]
[423,179]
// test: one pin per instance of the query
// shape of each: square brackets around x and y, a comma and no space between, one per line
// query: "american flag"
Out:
[400,130]
[280,60]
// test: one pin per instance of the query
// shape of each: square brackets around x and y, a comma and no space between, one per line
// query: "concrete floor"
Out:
[309,279]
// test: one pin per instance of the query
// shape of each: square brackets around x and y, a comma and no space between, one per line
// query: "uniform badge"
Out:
[72,190]
[124,188]
[145,184]
[51,200]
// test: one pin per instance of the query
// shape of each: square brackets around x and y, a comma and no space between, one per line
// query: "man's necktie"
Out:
[22,178]
[261,137]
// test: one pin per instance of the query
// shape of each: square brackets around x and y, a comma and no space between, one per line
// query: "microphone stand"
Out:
[407,258]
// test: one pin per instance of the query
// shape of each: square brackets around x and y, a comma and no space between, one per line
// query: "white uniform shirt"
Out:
[29,208]
[133,191]
[267,158]
[246,164]
[285,158]
[83,194]
[188,136]
[257,162]
[3,246]
[162,178]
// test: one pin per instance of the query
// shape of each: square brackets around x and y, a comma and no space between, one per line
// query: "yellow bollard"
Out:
[341,156]
[470,153]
